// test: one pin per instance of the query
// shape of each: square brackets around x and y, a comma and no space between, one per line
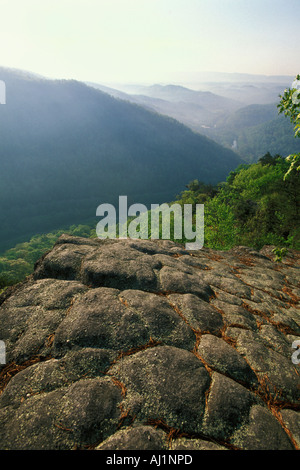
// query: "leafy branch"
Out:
[289,105]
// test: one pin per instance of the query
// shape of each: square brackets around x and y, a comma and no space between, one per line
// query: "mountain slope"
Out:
[256,130]
[66,148]
[195,109]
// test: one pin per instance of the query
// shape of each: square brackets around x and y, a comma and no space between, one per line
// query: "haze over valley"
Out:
[159,101]
[238,111]
[68,147]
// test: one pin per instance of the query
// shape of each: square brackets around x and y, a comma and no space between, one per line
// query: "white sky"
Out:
[131,41]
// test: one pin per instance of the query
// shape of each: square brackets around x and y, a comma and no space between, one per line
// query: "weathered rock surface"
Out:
[132,344]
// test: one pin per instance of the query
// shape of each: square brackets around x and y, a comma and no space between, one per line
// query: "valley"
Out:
[239,113]
[67,147]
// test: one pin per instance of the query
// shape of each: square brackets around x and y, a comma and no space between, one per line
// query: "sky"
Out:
[150,41]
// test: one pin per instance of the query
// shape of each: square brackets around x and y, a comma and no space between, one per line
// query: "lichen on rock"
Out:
[140,344]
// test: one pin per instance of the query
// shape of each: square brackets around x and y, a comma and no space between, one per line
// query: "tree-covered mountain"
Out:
[247,88]
[67,148]
[256,206]
[247,122]
[195,109]
[255,130]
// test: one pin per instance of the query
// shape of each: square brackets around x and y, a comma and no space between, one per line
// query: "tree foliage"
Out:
[67,147]
[255,207]
[18,262]
[290,106]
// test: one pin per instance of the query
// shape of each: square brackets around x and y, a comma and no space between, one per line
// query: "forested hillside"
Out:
[18,262]
[256,206]
[251,130]
[255,130]
[193,108]
[66,148]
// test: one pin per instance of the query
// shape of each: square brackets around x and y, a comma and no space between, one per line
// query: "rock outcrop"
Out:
[134,344]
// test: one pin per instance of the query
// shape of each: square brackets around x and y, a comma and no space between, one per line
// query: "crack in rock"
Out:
[137,344]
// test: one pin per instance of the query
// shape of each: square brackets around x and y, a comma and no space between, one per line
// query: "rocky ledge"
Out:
[134,345]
